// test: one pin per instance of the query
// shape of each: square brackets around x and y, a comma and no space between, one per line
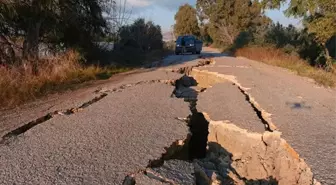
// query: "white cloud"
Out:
[173,4]
[169,4]
[160,11]
[139,3]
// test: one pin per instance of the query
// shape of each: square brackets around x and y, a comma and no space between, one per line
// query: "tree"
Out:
[75,23]
[228,18]
[186,22]
[142,35]
[319,18]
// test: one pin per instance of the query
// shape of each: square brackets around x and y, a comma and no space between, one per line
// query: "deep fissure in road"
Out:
[194,146]
[199,128]
[198,125]
[234,156]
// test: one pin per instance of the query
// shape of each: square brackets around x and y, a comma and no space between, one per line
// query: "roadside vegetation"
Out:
[51,46]
[19,85]
[241,28]
[278,57]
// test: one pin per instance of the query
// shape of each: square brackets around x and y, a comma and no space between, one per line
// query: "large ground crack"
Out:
[204,79]
[180,152]
[222,153]
[175,165]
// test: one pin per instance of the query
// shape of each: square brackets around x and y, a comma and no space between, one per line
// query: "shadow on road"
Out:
[298,105]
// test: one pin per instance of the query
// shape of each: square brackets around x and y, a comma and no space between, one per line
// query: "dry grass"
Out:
[19,85]
[277,57]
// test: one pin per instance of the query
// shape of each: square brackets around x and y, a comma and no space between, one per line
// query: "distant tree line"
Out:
[237,23]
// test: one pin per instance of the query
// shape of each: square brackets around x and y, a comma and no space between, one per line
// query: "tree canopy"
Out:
[320,15]
[228,18]
[143,35]
[186,21]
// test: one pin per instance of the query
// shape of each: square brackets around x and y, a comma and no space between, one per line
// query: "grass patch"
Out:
[18,84]
[277,57]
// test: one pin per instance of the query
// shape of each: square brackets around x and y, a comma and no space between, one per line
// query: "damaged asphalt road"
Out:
[98,145]
[151,128]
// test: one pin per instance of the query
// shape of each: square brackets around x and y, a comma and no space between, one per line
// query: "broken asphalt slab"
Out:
[242,157]
[228,103]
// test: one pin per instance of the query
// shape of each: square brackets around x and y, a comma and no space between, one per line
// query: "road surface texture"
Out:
[186,119]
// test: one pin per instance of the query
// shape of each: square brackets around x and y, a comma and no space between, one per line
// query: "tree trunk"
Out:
[7,53]
[329,65]
[31,44]
[223,28]
[228,35]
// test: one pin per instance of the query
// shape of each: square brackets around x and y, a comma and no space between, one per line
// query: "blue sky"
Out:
[162,12]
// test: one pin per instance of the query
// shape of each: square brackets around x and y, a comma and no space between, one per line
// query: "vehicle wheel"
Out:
[176,53]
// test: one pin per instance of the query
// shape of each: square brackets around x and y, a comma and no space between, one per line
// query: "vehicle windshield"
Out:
[187,40]
[179,39]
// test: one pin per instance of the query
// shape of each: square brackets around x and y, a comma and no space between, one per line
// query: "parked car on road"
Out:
[188,43]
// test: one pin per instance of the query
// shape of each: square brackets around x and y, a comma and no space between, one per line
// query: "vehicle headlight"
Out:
[191,44]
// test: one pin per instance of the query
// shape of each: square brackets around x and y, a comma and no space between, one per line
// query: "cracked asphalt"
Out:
[304,112]
[99,145]
[119,134]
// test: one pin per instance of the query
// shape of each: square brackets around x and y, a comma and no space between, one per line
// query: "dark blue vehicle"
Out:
[188,44]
